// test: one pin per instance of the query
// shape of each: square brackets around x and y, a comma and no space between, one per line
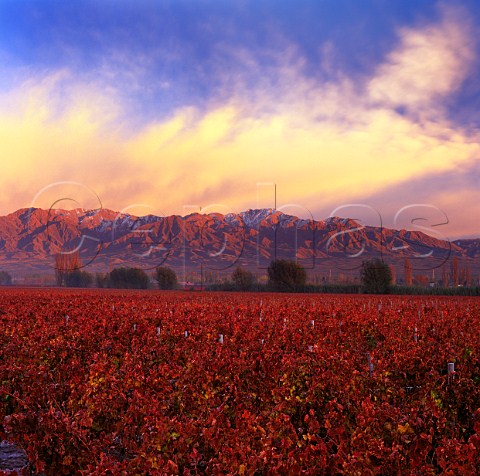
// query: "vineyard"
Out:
[110,382]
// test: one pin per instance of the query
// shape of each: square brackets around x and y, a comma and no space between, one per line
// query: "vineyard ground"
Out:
[150,382]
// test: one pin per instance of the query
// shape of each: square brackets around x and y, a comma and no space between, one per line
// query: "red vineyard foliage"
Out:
[110,382]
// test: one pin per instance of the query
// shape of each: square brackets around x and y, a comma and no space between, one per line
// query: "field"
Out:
[109,382]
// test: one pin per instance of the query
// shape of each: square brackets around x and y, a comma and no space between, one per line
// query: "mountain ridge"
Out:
[31,237]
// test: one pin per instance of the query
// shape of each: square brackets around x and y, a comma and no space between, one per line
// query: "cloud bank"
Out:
[324,142]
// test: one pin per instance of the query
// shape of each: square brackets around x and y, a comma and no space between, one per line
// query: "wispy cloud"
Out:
[430,63]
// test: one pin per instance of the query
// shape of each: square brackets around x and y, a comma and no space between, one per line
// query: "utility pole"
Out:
[275,233]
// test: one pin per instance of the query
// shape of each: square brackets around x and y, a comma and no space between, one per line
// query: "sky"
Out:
[367,109]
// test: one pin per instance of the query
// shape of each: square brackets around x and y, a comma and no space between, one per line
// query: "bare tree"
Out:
[454,271]
[408,273]
[65,263]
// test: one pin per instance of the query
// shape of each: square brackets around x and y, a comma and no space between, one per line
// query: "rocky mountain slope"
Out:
[30,239]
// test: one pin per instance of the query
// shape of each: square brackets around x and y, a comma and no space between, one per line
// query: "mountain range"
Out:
[30,239]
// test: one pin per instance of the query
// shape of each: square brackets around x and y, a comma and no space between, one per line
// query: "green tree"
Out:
[78,279]
[166,278]
[128,278]
[5,278]
[376,276]
[286,275]
[243,279]
[101,280]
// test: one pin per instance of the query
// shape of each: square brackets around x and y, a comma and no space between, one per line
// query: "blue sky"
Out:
[161,55]
[174,104]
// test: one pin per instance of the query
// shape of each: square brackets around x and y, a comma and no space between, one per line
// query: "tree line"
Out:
[376,277]
[69,273]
